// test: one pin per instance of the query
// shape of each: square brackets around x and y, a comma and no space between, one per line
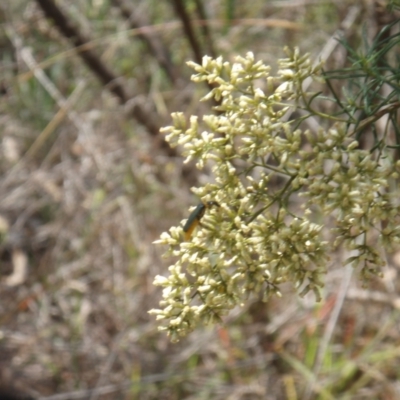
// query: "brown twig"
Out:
[205,28]
[188,27]
[151,39]
[96,65]
[106,76]
[180,10]
[379,114]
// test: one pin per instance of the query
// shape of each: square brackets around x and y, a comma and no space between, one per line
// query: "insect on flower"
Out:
[195,217]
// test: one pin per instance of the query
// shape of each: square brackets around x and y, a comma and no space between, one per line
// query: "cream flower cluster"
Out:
[264,166]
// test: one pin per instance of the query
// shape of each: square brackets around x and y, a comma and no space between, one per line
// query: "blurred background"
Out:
[87,183]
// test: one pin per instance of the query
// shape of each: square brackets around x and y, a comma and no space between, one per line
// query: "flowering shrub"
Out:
[262,165]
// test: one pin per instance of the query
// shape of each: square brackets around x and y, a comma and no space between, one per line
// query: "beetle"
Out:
[195,217]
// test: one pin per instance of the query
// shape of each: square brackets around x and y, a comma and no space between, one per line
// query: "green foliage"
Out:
[393,5]
[259,238]
[372,84]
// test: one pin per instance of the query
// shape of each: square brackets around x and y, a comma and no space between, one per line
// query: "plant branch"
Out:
[95,64]
[151,39]
[180,10]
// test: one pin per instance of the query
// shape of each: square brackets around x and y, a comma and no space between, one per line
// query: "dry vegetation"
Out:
[87,184]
